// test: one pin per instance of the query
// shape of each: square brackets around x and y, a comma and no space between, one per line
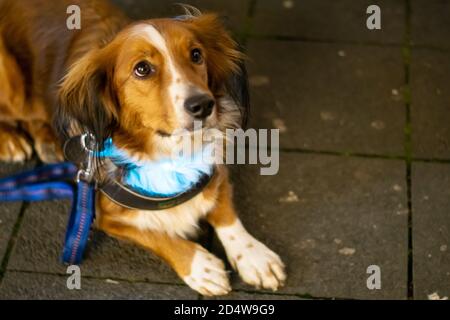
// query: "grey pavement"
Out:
[364,164]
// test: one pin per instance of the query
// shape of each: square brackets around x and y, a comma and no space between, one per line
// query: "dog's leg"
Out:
[257,265]
[201,270]
[15,107]
[45,142]
[14,145]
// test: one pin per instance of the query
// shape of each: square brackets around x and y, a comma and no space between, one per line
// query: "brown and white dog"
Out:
[137,83]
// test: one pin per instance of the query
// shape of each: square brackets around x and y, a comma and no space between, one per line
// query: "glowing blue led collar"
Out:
[166,177]
[145,185]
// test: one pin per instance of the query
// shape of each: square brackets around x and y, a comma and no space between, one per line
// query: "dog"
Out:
[137,83]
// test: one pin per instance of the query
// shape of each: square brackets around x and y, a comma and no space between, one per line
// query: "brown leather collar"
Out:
[77,151]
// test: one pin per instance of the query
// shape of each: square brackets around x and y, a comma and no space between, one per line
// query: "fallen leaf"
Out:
[347,251]
[327,116]
[377,124]
[288,4]
[280,125]
[291,197]
[259,80]
[112,281]
[435,296]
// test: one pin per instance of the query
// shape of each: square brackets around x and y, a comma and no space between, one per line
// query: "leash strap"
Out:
[36,185]
[38,192]
[81,218]
[48,183]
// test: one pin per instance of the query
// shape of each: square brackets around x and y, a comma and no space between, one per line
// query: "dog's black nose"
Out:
[199,106]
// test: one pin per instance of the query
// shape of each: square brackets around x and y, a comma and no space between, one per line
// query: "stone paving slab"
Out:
[333,97]
[9,211]
[233,11]
[40,241]
[430,105]
[17,285]
[430,23]
[342,215]
[431,229]
[325,20]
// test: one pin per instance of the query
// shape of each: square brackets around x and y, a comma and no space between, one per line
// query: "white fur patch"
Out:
[179,86]
[179,221]
[257,265]
[208,275]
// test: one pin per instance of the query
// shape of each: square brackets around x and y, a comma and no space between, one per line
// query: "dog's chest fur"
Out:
[181,220]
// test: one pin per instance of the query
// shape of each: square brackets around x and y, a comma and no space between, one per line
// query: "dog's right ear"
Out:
[87,101]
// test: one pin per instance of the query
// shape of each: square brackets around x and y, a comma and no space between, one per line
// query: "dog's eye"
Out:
[196,56]
[143,69]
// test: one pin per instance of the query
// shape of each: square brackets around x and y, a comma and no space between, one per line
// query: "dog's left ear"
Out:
[227,74]
[87,99]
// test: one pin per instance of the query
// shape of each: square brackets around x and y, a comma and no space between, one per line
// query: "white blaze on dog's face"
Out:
[184,62]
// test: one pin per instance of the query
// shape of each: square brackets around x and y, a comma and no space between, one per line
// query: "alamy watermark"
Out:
[374,280]
[73,22]
[74,280]
[234,146]
[373,22]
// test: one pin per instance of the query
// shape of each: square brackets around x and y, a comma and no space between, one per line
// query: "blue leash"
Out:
[49,182]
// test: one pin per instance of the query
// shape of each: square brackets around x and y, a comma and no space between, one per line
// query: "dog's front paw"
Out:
[49,152]
[14,147]
[258,265]
[208,275]
[45,142]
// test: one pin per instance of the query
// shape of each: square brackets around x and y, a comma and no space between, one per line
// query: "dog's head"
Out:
[153,79]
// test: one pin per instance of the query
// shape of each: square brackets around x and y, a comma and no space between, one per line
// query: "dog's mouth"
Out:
[163,133]
[191,129]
